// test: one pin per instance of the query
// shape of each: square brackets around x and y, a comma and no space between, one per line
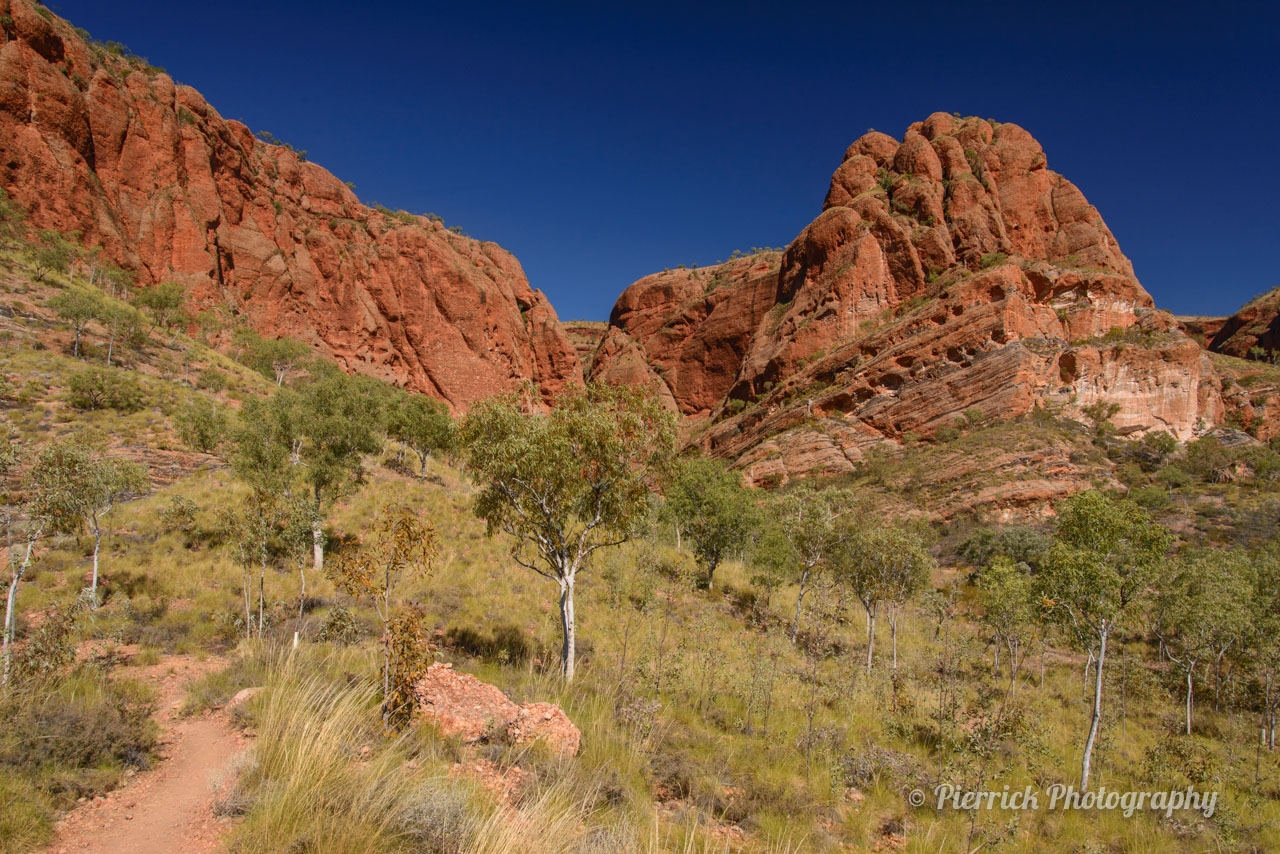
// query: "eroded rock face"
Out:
[684,333]
[148,170]
[948,271]
[1253,332]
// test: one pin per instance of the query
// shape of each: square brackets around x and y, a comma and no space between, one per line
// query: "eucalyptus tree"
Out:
[882,565]
[423,425]
[808,520]
[78,306]
[312,438]
[1010,609]
[566,483]
[50,498]
[715,509]
[90,486]
[1104,557]
[1201,606]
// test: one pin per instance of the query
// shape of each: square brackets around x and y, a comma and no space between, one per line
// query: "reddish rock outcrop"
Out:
[460,705]
[94,141]
[949,271]
[1253,332]
[685,332]
[544,722]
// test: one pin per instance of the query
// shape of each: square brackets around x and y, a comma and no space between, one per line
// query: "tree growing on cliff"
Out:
[569,482]
[1100,567]
[714,509]
[274,358]
[165,303]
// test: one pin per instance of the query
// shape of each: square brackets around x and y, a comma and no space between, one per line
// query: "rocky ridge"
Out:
[96,141]
[949,272]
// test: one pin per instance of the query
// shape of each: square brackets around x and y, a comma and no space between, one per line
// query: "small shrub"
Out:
[105,388]
[211,379]
[179,516]
[201,423]
[340,627]
[437,818]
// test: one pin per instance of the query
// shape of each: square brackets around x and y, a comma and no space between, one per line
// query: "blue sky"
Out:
[602,142]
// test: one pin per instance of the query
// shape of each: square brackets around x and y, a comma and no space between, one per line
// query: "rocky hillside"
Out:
[1253,332]
[949,272]
[94,140]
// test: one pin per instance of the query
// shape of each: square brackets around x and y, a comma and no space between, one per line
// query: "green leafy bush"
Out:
[105,388]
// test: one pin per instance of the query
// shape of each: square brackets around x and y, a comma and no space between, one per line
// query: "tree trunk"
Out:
[1096,719]
[248,601]
[893,634]
[317,544]
[97,546]
[569,649]
[871,636]
[1190,671]
[15,578]
[262,591]
[804,581]
[8,622]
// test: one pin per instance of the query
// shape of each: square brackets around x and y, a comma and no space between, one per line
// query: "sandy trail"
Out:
[169,808]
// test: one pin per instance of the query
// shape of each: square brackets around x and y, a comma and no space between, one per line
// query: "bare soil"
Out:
[167,809]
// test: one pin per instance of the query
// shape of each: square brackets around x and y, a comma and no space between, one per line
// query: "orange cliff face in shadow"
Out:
[96,142]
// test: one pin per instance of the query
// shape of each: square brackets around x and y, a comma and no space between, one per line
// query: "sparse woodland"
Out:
[751,670]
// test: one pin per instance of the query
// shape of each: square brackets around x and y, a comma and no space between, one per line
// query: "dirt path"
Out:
[168,809]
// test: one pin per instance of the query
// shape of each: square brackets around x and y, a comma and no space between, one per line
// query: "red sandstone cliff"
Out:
[95,142]
[948,271]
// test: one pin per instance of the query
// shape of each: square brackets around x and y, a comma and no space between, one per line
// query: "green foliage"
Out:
[993,259]
[105,388]
[165,303]
[202,423]
[211,379]
[1102,560]
[78,307]
[340,627]
[270,139]
[1021,544]
[716,511]
[53,252]
[567,483]
[1100,413]
[274,358]
[423,425]
[1202,606]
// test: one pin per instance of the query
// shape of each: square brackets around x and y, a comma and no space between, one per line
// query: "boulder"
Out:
[460,705]
[544,722]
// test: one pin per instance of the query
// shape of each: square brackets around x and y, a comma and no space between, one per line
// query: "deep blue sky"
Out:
[600,144]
